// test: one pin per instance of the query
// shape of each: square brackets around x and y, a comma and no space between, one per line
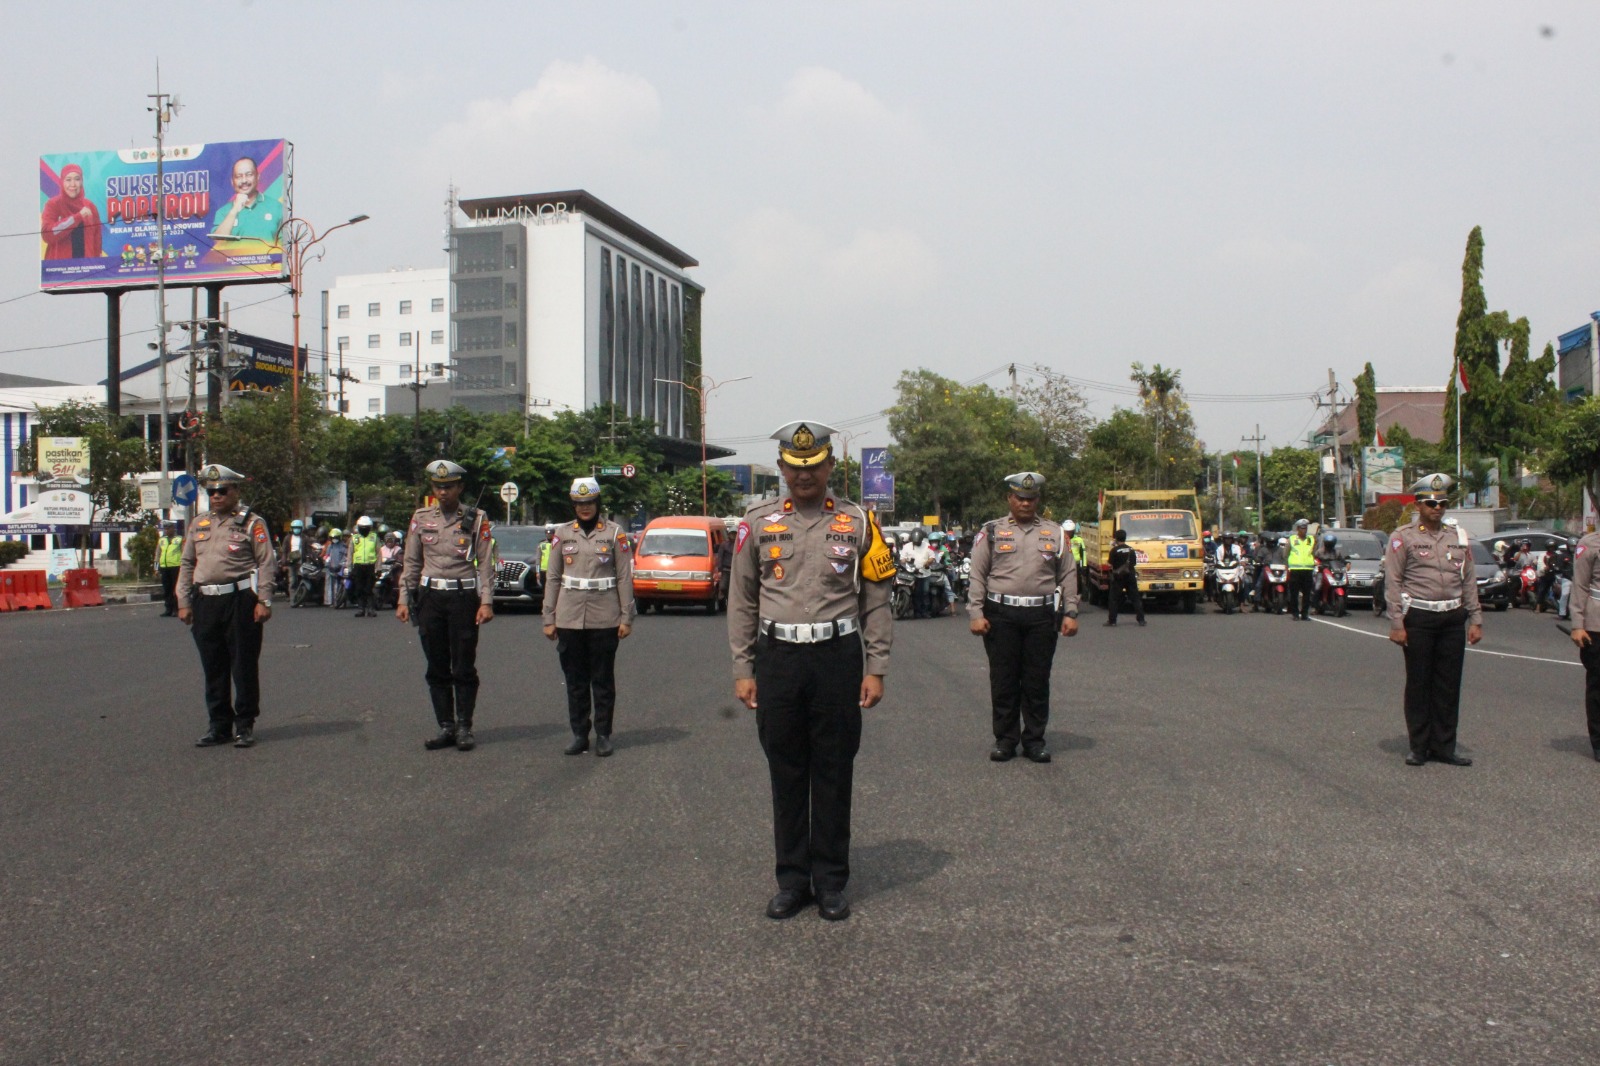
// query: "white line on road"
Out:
[1475,651]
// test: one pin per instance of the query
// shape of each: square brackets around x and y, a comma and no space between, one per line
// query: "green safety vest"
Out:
[1302,553]
[544,556]
[364,550]
[169,551]
[1078,548]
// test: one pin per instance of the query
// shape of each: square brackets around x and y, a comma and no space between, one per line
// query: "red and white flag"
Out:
[1461,373]
[1377,438]
[1236,462]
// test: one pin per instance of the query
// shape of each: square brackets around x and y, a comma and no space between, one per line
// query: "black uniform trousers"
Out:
[169,587]
[808,716]
[447,620]
[361,575]
[1121,583]
[229,639]
[1300,592]
[1436,648]
[1590,655]
[589,662]
[1021,645]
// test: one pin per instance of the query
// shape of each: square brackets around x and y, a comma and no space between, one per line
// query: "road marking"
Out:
[1475,651]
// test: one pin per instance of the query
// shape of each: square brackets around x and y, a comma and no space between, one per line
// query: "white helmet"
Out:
[364,520]
[1070,526]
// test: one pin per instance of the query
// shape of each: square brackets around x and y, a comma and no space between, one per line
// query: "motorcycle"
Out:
[1277,590]
[1524,586]
[308,581]
[386,588]
[1229,578]
[1333,579]
[900,603]
[960,577]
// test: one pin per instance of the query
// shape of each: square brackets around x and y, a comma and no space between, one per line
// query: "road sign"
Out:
[509,491]
[184,489]
[628,470]
[611,471]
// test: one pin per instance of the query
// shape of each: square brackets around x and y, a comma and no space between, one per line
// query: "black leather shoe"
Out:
[788,903]
[1110,623]
[214,738]
[1037,753]
[1141,621]
[578,746]
[833,906]
[602,745]
[1597,755]
[1415,758]
[465,741]
[1452,759]
[445,739]
[1002,753]
[244,737]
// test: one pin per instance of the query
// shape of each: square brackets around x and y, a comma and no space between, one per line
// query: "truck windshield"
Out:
[1158,525]
[675,542]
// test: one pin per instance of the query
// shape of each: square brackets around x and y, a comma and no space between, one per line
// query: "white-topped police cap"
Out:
[1027,485]
[804,443]
[443,471]
[585,490]
[1436,486]
[216,474]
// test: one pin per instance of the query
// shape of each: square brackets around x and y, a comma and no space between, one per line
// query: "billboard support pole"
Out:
[214,342]
[113,352]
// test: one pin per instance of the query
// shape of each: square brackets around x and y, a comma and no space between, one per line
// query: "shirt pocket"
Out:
[777,560]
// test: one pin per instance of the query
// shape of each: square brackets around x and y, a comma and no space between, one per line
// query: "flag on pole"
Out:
[1461,372]
[1377,438]
[1236,462]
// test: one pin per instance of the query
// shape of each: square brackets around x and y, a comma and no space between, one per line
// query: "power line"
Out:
[131,333]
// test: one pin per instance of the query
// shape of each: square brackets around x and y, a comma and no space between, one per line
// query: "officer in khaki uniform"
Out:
[1431,586]
[225,595]
[1586,628]
[1024,577]
[810,628]
[588,608]
[449,568]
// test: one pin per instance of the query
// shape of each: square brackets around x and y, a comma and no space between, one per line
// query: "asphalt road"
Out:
[1226,863]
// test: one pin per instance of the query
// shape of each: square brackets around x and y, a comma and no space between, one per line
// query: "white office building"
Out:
[377,329]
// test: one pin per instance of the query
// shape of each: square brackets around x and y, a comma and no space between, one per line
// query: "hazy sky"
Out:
[1250,192]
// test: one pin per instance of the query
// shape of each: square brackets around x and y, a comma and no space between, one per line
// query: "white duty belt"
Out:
[809,632]
[1021,601]
[449,584]
[586,584]
[1407,602]
[224,589]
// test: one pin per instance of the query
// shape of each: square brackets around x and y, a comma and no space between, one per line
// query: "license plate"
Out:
[669,586]
[1161,586]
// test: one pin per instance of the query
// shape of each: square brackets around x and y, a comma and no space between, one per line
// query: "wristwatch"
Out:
[1072,614]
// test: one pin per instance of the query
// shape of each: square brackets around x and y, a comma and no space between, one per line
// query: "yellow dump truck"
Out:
[1163,527]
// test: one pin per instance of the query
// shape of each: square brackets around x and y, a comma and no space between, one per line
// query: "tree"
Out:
[1061,412]
[285,456]
[1177,452]
[1289,483]
[1574,451]
[1366,406]
[1120,451]
[1475,347]
[116,453]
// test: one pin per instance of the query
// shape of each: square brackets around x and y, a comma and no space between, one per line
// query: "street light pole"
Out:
[702,390]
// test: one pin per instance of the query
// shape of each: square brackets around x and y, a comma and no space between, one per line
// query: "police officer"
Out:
[169,558]
[1023,575]
[1431,586]
[588,609]
[1302,566]
[1124,563]
[1586,629]
[225,595]
[1079,549]
[810,629]
[363,567]
[449,567]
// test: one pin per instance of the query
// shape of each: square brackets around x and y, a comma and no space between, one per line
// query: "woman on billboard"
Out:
[70,224]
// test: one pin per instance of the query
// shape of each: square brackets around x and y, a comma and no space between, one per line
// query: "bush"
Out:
[1388,516]
[12,550]
[142,550]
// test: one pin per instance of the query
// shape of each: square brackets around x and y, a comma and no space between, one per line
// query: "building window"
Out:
[405,340]
[607,327]
[373,372]
[374,310]
[511,375]
[373,340]
[511,296]
[436,337]
[405,307]
[511,257]
[344,310]
[511,335]
[437,305]
[405,372]
[341,344]
[374,406]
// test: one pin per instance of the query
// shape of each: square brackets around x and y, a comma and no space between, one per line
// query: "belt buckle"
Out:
[804,633]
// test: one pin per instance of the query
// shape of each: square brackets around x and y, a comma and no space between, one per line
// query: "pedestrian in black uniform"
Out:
[1124,578]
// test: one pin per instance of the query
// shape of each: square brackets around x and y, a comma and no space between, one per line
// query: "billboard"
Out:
[259,363]
[1384,471]
[224,204]
[877,484]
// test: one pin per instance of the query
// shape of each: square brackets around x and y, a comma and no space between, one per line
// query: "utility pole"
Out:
[1332,404]
[1261,517]
[166,105]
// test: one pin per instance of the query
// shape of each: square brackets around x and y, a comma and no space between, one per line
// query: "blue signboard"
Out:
[877,484]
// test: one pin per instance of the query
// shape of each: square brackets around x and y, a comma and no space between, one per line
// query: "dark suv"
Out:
[516,572]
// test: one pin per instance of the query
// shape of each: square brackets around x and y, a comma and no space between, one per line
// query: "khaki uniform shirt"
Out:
[224,548]
[1430,566]
[445,546]
[796,567]
[603,552]
[1586,584]
[1010,559]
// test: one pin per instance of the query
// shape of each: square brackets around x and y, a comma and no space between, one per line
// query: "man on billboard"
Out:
[70,224]
[249,214]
